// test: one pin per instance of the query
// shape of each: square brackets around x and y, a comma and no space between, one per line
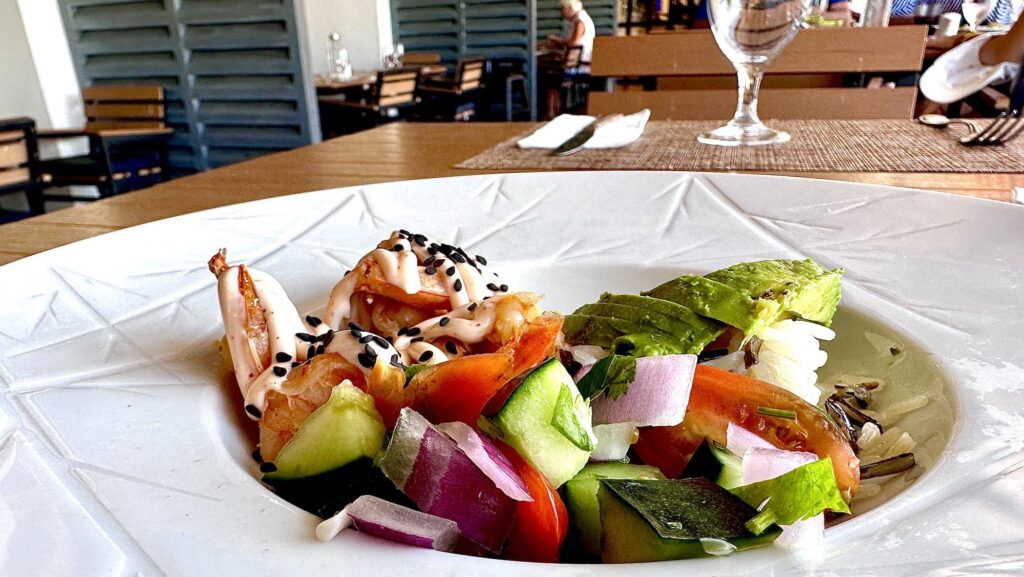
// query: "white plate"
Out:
[120,453]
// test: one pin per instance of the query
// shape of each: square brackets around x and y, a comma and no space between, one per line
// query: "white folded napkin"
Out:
[615,134]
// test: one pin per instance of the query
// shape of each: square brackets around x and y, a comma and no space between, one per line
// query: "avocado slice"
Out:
[622,336]
[581,500]
[801,287]
[663,520]
[345,428]
[691,329]
[722,302]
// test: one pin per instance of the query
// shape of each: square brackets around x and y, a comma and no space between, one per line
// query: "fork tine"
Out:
[1009,126]
[1015,132]
[982,137]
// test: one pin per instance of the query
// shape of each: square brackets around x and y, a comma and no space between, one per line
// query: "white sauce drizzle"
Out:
[347,344]
[468,282]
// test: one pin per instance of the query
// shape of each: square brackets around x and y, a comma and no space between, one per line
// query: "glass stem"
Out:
[749,76]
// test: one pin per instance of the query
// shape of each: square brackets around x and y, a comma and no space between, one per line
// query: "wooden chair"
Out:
[127,142]
[450,98]
[19,166]
[393,91]
[575,80]
[685,76]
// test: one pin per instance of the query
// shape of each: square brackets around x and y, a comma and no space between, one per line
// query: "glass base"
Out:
[734,134]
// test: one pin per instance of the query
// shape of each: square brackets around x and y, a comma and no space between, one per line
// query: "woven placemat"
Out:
[817,146]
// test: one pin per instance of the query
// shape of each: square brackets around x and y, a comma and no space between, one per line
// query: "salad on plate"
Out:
[435,405]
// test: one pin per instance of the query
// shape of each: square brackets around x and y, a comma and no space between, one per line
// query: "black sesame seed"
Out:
[450,271]
[380,342]
[256,456]
[311,351]
[481,260]
[370,352]
[402,331]
[365,339]
[429,261]
[403,231]
[437,263]
[472,307]
[306,337]
[328,338]
[430,270]
[492,287]
[485,298]
[458,258]
[416,340]
[320,350]
[426,356]
[396,360]
[313,321]
[252,410]
[504,288]
[413,331]
[458,285]
[356,327]
[280,371]
[283,357]
[420,239]
[366,361]
[398,248]
[444,321]
[295,364]
[431,250]
[390,340]
[268,468]
[451,348]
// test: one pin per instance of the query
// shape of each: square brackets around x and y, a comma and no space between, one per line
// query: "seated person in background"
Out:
[902,12]
[582,32]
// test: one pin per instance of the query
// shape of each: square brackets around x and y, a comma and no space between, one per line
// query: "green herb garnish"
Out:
[613,374]
[778,413]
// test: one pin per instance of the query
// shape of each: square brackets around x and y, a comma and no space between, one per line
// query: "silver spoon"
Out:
[940,121]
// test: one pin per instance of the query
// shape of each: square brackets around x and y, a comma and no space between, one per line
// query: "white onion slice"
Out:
[738,440]
[762,464]
[613,441]
[394,522]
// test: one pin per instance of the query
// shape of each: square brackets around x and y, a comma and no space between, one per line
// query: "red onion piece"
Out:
[491,461]
[738,440]
[613,441]
[656,398]
[436,474]
[397,523]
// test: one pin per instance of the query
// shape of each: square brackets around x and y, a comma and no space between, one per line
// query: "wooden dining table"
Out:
[398,151]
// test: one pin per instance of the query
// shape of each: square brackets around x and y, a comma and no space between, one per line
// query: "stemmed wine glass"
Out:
[751,33]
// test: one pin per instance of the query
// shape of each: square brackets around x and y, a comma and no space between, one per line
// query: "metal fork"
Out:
[1007,126]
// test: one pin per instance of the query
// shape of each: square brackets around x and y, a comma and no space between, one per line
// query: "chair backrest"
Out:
[19,154]
[128,106]
[573,57]
[421,58]
[396,87]
[693,80]
[470,74]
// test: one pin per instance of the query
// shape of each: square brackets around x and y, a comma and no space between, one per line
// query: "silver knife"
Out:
[576,141]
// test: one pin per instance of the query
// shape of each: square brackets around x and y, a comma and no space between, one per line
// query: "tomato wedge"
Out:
[459,389]
[539,527]
[719,397]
